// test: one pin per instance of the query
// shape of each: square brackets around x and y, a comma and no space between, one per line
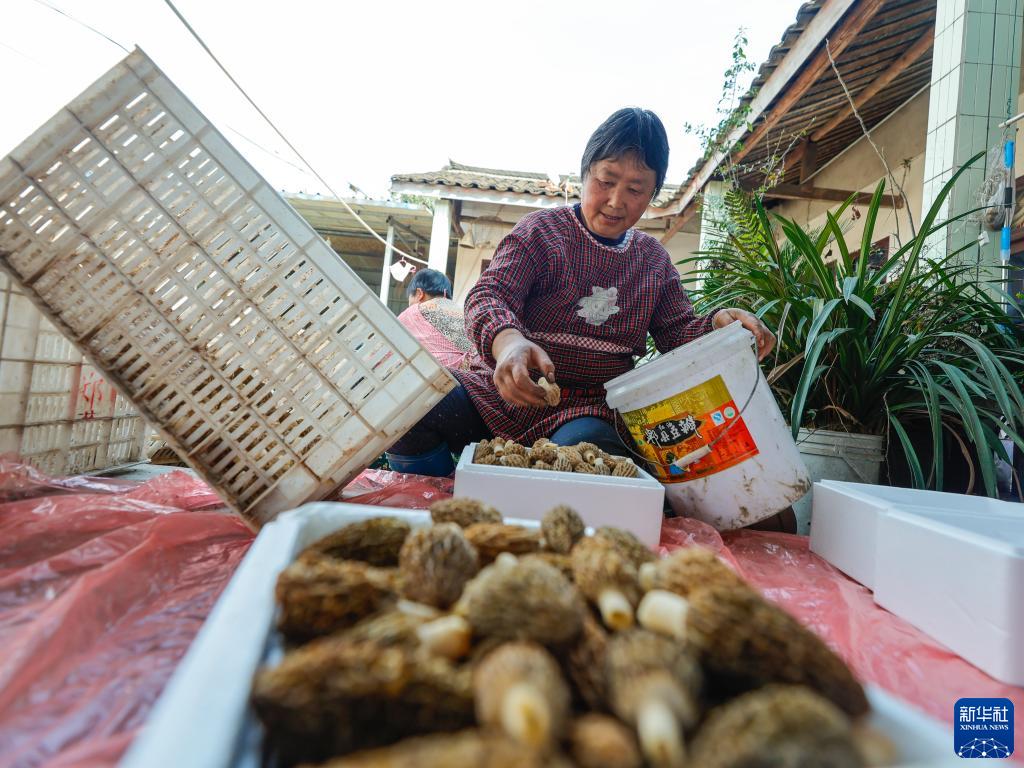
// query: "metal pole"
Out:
[1012,120]
[1008,195]
[385,276]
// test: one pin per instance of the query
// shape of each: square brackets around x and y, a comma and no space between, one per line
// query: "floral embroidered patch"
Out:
[599,306]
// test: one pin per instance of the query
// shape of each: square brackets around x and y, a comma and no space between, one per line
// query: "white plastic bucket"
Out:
[680,404]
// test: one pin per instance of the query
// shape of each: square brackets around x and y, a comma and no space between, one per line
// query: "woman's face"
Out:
[616,192]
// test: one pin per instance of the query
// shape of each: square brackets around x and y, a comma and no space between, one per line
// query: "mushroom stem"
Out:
[664,612]
[616,610]
[505,560]
[449,636]
[874,746]
[525,715]
[648,574]
[419,610]
[658,732]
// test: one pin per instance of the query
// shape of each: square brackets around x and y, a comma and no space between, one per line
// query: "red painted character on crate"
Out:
[571,294]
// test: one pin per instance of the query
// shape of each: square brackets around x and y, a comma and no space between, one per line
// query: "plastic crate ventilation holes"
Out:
[204,297]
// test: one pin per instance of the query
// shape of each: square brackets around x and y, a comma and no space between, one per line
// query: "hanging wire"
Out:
[283,138]
[272,153]
[55,9]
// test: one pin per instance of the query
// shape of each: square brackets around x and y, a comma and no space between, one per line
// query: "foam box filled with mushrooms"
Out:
[525,481]
[363,637]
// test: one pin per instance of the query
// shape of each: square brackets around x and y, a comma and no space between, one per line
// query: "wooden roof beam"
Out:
[795,192]
[679,222]
[861,14]
[911,55]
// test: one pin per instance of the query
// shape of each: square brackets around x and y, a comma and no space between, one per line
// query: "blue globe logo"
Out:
[984,748]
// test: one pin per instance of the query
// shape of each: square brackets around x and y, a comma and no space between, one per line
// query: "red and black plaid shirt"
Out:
[537,278]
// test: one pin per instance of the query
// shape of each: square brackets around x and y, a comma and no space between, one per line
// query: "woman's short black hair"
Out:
[631,129]
[432,282]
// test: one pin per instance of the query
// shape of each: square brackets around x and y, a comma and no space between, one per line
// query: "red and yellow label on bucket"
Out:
[677,426]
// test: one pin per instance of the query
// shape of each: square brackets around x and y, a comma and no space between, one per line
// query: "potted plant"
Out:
[912,341]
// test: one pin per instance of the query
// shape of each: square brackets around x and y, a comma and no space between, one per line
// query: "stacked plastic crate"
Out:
[56,410]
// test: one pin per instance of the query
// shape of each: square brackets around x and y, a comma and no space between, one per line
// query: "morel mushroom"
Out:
[562,464]
[463,512]
[561,528]
[465,749]
[518,688]
[654,685]
[513,448]
[608,579]
[562,562]
[491,539]
[776,725]
[749,642]
[687,569]
[552,392]
[376,541]
[525,599]
[319,595]
[571,453]
[333,696]
[627,543]
[546,452]
[435,563]
[585,662]
[600,741]
[392,626]
[625,468]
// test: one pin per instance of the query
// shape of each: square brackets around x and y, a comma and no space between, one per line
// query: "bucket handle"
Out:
[694,456]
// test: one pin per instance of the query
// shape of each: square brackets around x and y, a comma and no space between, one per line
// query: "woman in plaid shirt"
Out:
[571,293]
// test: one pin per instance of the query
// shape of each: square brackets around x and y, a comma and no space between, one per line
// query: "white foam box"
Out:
[952,565]
[844,520]
[959,577]
[203,718]
[634,503]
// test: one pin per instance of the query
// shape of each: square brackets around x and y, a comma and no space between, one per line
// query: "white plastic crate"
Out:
[634,503]
[203,718]
[56,411]
[263,360]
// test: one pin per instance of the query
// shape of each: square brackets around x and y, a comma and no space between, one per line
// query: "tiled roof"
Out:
[524,182]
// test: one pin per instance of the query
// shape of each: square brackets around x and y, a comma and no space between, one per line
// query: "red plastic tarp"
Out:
[104,584]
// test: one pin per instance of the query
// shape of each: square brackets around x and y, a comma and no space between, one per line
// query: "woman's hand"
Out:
[765,339]
[516,357]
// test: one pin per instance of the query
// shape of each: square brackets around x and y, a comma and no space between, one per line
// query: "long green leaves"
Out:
[914,347]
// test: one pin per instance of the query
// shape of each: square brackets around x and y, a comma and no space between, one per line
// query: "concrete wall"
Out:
[901,140]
